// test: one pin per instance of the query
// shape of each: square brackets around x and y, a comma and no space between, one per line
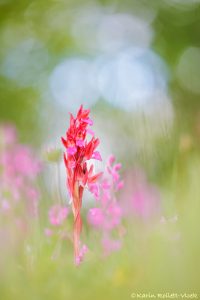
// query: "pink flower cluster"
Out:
[107,216]
[18,171]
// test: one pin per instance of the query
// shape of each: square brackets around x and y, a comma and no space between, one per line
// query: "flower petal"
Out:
[96,155]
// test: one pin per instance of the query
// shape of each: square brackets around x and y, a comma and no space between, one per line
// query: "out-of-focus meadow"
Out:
[136,65]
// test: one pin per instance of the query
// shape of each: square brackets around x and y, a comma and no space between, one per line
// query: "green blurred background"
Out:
[39,36]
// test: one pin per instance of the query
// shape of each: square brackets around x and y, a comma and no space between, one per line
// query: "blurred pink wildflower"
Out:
[48,232]
[82,252]
[19,169]
[108,214]
[111,245]
[57,214]
[19,194]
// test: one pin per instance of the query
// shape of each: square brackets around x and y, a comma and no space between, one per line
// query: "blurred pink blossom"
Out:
[48,232]
[107,215]
[96,217]
[5,205]
[23,162]
[57,214]
[83,251]
[8,134]
[19,170]
[111,245]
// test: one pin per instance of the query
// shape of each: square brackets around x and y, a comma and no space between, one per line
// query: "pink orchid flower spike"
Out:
[79,175]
